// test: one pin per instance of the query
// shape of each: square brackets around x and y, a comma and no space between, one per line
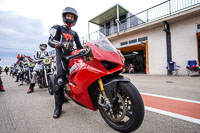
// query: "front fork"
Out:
[107,103]
[106,99]
[45,75]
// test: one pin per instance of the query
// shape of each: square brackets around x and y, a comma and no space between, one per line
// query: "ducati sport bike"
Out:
[94,82]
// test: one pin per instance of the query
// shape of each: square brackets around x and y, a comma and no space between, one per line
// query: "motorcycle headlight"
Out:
[108,65]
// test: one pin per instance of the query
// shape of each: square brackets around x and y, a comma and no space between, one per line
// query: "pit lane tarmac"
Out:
[22,113]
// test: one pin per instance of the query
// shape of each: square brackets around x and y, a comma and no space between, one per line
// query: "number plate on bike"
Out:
[47,61]
[31,64]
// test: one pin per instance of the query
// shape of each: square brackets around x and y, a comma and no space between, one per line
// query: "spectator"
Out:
[1,86]
[6,70]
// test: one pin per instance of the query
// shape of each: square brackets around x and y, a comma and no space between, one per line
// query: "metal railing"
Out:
[164,9]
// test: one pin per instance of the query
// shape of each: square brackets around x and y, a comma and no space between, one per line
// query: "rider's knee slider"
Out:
[60,82]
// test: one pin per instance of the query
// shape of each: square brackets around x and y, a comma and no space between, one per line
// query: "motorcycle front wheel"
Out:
[127,112]
[50,84]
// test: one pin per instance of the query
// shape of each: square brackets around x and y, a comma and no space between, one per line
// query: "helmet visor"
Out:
[44,45]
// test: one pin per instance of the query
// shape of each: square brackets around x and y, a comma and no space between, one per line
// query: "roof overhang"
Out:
[132,47]
[108,15]
[181,16]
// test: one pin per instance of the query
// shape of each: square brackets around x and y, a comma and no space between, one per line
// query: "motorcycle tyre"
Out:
[138,104]
[51,84]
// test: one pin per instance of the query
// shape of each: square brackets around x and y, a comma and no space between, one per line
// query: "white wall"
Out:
[157,51]
[184,42]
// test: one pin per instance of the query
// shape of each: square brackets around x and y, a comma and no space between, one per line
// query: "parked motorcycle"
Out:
[13,72]
[45,76]
[131,68]
[28,69]
[95,83]
[20,73]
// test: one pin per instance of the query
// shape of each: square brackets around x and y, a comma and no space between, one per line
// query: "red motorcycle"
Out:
[95,83]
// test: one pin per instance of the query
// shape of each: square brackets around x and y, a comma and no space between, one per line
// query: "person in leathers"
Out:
[1,86]
[62,38]
[1,83]
[39,55]
[20,72]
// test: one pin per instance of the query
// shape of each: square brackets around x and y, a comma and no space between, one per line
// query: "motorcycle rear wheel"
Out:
[127,113]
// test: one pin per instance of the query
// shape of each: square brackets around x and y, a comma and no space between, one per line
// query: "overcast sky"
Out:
[24,23]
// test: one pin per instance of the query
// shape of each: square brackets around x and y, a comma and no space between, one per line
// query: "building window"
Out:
[115,26]
[123,43]
[107,28]
[102,29]
[132,41]
[198,26]
[123,24]
[142,39]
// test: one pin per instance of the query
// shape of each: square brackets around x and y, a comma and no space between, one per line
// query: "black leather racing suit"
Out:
[60,35]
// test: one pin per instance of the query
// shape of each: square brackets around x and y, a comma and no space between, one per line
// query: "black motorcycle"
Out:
[45,76]
[28,69]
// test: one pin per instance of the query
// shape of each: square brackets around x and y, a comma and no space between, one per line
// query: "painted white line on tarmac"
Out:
[173,98]
[182,117]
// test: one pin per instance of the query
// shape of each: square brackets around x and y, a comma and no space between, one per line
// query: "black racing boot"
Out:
[17,79]
[57,112]
[31,88]
[50,90]
[58,105]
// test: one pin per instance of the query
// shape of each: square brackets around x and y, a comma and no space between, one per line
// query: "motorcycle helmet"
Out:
[22,56]
[43,46]
[69,22]
[18,56]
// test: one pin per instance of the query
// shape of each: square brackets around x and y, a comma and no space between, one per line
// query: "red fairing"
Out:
[85,73]
[101,55]
[71,63]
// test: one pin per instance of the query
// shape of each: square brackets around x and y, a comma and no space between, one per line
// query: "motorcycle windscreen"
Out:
[103,49]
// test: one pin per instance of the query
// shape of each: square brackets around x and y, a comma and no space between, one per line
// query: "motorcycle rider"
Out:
[17,68]
[40,54]
[1,83]
[62,38]
[1,86]
[20,58]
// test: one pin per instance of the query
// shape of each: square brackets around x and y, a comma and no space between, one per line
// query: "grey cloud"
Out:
[19,31]
[19,34]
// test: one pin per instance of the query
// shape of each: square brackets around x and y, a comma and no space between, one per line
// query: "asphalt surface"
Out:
[32,113]
[186,87]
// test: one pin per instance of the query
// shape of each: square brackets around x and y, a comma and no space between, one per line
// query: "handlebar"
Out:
[37,61]
[40,60]
[80,54]
[73,56]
